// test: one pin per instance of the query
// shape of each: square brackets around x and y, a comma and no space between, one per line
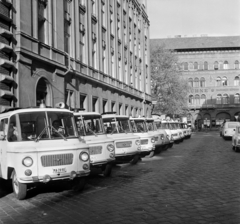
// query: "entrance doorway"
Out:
[43,92]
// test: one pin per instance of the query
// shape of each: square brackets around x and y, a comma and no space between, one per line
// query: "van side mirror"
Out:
[2,136]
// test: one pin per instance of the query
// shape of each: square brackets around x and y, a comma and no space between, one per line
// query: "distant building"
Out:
[86,53]
[211,66]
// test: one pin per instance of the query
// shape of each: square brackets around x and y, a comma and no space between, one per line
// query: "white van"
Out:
[176,133]
[147,139]
[127,145]
[102,150]
[229,129]
[41,145]
[163,125]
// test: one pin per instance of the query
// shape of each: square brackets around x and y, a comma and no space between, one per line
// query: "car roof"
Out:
[114,115]
[86,113]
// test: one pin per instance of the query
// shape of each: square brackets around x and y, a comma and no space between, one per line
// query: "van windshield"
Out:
[42,125]
[150,126]
[89,124]
[117,125]
[139,126]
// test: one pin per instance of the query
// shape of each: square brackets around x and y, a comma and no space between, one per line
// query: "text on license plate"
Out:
[95,150]
[60,170]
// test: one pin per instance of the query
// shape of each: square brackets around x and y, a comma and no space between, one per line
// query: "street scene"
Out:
[196,181]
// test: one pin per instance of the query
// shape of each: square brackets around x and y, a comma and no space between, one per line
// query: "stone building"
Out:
[86,53]
[211,66]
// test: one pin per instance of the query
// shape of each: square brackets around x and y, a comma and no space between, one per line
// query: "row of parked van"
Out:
[39,145]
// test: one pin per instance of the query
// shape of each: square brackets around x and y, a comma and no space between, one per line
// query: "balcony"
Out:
[7,49]
[7,64]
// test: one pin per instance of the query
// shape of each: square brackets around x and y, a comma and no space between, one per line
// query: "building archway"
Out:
[43,92]
[220,117]
[207,120]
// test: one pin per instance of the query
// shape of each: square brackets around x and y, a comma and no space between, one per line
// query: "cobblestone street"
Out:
[196,181]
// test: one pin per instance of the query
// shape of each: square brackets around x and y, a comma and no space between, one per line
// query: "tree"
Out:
[168,86]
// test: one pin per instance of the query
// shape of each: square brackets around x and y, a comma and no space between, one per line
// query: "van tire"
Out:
[79,183]
[170,145]
[135,160]
[107,170]
[19,189]
[150,155]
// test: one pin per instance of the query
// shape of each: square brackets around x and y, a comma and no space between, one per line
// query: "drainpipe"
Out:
[68,70]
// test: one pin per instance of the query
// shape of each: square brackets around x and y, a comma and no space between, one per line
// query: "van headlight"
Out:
[27,161]
[84,156]
[153,140]
[110,147]
[137,142]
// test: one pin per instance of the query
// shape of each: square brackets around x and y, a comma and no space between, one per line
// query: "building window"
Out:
[237,98]
[216,65]
[196,82]
[113,107]
[190,99]
[69,98]
[224,81]
[82,41]
[104,106]
[185,66]
[203,99]
[236,81]
[195,65]
[197,99]
[120,109]
[83,101]
[190,82]
[219,81]
[94,104]
[225,65]
[42,21]
[126,110]
[205,65]
[202,82]
[67,24]
[236,65]
[219,99]
[225,99]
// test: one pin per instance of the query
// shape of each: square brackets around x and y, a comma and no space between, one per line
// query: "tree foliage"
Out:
[169,88]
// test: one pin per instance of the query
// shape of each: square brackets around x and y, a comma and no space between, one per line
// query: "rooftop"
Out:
[197,42]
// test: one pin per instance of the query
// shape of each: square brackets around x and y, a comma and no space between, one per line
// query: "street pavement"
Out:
[196,181]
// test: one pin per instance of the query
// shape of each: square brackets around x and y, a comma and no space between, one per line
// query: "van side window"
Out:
[3,128]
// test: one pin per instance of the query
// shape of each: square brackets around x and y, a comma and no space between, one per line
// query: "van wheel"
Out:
[79,183]
[135,160]
[107,170]
[19,189]
[170,145]
[150,155]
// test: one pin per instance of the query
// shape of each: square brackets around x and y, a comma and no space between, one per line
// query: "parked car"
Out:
[102,150]
[147,139]
[177,133]
[127,145]
[41,145]
[229,128]
[236,139]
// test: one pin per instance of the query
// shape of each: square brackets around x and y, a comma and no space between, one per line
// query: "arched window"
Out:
[225,99]
[236,81]
[203,99]
[202,82]
[195,65]
[216,65]
[237,98]
[219,81]
[43,92]
[190,99]
[196,82]
[225,65]
[236,64]
[197,99]
[219,99]
[205,65]
[185,66]
[190,82]
[224,81]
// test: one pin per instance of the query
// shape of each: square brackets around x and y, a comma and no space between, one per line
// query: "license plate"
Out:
[95,150]
[60,170]
[123,144]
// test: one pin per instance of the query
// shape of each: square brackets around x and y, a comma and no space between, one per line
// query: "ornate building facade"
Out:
[86,53]
[211,66]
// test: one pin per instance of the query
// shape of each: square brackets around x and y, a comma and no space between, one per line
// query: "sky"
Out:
[193,18]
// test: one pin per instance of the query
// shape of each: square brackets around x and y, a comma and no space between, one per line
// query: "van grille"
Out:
[57,160]
[123,144]
[144,142]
